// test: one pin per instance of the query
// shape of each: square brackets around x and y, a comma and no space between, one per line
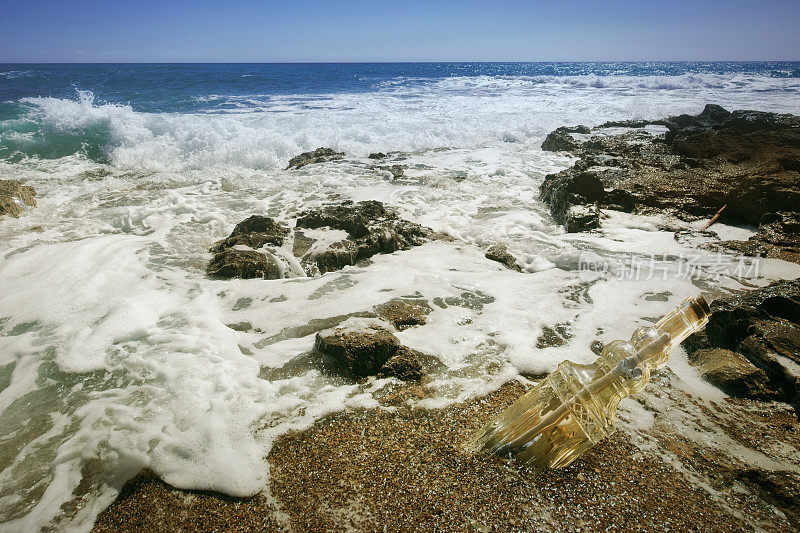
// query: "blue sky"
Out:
[355,30]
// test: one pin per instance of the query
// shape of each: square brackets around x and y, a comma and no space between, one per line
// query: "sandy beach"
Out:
[400,469]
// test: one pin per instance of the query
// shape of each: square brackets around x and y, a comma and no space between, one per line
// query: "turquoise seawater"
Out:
[170,89]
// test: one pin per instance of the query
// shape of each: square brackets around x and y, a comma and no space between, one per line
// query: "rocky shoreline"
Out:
[743,162]
[402,467]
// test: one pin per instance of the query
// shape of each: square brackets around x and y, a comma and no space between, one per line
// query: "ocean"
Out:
[115,350]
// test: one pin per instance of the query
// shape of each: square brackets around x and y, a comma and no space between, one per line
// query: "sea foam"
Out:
[115,350]
[263,131]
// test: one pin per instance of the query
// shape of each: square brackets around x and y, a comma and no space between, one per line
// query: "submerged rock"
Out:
[499,253]
[320,155]
[15,197]
[369,350]
[395,170]
[763,326]
[245,264]
[403,313]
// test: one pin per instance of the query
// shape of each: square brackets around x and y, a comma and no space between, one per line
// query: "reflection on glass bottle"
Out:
[573,408]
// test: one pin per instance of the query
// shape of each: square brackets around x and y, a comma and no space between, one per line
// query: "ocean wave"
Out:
[263,131]
[15,74]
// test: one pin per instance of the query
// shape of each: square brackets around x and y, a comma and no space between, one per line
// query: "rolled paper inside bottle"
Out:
[573,408]
[652,350]
[595,387]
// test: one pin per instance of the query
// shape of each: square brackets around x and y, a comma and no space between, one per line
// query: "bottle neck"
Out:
[686,319]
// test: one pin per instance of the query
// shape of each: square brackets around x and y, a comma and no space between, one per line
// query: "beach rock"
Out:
[778,236]
[320,155]
[581,218]
[762,325]
[376,155]
[395,170]
[561,140]
[734,374]
[711,116]
[254,232]
[744,160]
[404,365]
[499,253]
[371,229]
[324,239]
[403,314]
[572,197]
[15,197]
[367,349]
[630,123]
[245,264]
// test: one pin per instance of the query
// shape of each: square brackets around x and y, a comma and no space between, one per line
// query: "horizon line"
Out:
[357,62]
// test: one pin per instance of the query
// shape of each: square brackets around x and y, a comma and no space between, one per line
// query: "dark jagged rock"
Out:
[499,253]
[377,155]
[560,139]
[404,364]
[245,264]
[371,229]
[15,197]
[369,350]
[572,197]
[711,116]
[630,123]
[255,232]
[403,313]
[734,374]
[763,325]
[320,155]
[747,160]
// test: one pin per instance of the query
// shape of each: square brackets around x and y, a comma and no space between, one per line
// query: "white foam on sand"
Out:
[115,350]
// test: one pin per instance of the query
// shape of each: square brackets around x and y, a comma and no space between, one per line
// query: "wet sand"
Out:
[404,470]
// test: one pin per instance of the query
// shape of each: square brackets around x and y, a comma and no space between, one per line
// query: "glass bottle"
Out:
[573,408]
